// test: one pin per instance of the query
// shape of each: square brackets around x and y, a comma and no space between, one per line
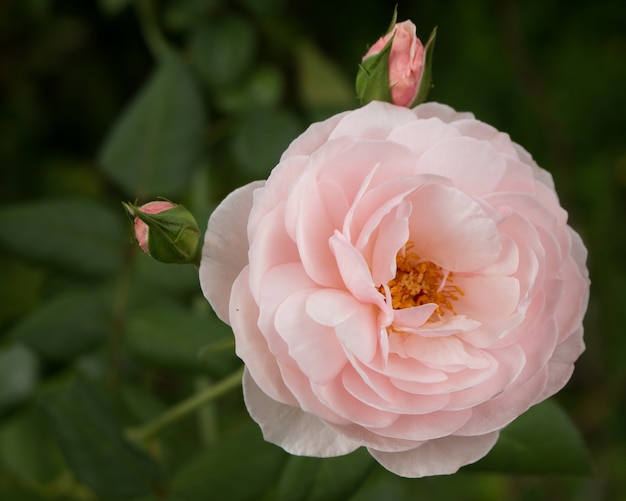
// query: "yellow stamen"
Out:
[420,282]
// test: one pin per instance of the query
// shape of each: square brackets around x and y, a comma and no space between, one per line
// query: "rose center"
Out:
[420,282]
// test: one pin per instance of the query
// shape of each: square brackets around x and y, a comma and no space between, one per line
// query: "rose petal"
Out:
[292,429]
[420,135]
[354,271]
[443,456]
[314,137]
[225,249]
[561,365]
[496,413]
[474,166]
[485,132]
[373,121]
[270,248]
[335,396]
[313,346]
[487,298]
[252,346]
[355,323]
[451,230]
[376,391]
[443,112]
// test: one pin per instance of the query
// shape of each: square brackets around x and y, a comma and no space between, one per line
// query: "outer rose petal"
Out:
[225,249]
[442,456]
[292,429]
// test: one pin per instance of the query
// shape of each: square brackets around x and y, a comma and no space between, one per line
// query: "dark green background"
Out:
[89,327]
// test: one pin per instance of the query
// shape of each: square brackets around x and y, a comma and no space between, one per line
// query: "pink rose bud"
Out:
[406,61]
[165,231]
[396,68]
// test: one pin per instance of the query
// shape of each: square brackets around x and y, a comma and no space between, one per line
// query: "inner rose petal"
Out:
[460,158]
[315,348]
[451,229]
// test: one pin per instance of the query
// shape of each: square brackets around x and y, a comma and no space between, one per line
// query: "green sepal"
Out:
[394,20]
[426,81]
[372,79]
[173,234]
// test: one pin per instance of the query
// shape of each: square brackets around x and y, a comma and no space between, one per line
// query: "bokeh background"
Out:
[95,338]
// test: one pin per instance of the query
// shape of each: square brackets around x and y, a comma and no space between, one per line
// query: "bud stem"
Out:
[143,433]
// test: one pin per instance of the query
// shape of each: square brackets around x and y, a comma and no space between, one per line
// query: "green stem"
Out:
[150,27]
[182,409]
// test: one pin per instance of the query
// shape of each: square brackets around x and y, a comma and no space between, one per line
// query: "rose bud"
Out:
[166,231]
[397,68]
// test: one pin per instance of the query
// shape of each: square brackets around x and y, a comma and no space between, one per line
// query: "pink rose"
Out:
[406,62]
[405,280]
[141,228]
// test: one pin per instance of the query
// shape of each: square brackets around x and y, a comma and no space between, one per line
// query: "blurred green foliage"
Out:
[110,100]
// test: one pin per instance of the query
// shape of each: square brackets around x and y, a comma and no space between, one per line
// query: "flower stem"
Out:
[153,36]
[182,409]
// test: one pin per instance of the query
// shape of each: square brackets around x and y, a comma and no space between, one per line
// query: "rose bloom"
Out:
[406,61]
[405,280]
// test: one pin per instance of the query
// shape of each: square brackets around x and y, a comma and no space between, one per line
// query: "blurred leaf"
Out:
[19,288]
[382,484]
[542,440]
[176,278]
[263,8]
[261,139]
[94,445]
[174,338]
[223,48]
[262,89]
[141,403]
[26,450]
[77,235]
[112,7]
[182,15]
[241,467]
[19,370]
[311,479]
[322,86]
[67,325]
[12,492]
[154,146]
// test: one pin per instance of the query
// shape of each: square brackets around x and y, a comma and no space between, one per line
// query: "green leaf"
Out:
[261,138]
[223,49]
[77,235]
[12,492]
[93,444]
[241,467]
[67,325]
[26,450]
[541,441]
[177,339]
[19,370]
[314,479]
[20,288]
[160,138]
[263,88]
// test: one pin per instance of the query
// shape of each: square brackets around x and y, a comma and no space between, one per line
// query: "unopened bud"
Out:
[165,231]
[397,68]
